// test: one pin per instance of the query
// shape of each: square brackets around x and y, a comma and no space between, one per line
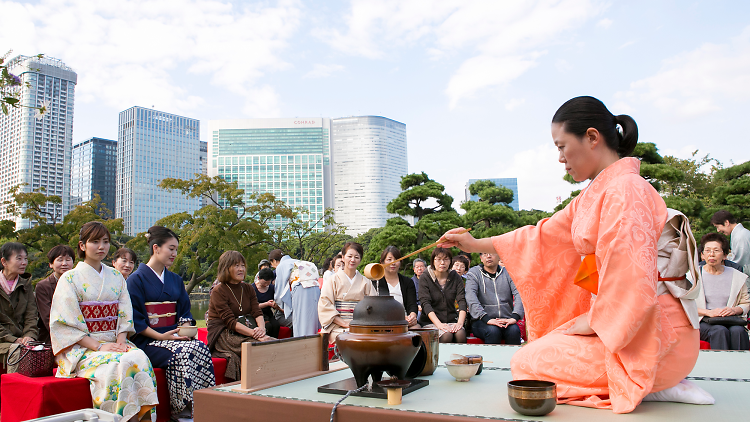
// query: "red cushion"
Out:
[203,335]
[285,332]
[43,396]
[522,327]
[705,345]
[474,340]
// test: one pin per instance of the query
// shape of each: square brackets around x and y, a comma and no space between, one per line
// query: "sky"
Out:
[475,82]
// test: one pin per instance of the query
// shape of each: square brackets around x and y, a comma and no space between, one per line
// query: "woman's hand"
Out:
[24,340]
[267,304]
[729,311]
[114,347]
[455,238]
[259,333]
[580,327]
[171,335]
[411,319]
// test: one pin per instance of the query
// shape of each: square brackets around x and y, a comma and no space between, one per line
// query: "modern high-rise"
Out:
[290,158]
[35,152]
[203,156]
[508,182]
[369,159]
[151,146]
[94,171]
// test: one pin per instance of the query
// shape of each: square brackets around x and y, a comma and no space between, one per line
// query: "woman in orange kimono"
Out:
[588,277]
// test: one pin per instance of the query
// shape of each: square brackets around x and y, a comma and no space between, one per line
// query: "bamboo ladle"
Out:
[376,271]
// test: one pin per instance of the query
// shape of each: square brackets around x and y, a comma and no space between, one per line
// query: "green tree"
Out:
[49,229]
[302,238]
[420,196]
[226,223]
[732,193]
[396,232]
[490,215]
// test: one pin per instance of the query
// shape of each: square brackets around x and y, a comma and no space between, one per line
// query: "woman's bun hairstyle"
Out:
[579,114]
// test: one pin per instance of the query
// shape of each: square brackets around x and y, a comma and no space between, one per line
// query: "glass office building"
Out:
[369,159]
[35,153]
[508,182]
[94,171]
[151,146]
[290,158]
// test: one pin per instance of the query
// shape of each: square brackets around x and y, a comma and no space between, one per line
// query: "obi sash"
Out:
[345,309]
[587,276]
[161,314]
[304,273]
[100,316]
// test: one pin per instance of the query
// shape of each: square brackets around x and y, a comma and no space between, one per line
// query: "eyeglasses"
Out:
[712,252]
[442,260]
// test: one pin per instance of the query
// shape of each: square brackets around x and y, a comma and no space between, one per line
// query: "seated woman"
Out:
[723,294]
[124,260]
[339,297]
[439,289]
[61,259]
[90,319]
[160,305]
[461,265]
[264,291]
[18,314]
[399,286]
[232,306]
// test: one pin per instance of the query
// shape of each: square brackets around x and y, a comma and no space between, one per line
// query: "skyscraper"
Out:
[203,167]
[151,146]
[34,152]
[94,171]
[508,182]
[369,159]
[290,158]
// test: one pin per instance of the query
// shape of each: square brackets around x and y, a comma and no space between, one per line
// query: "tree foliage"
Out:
[490,215]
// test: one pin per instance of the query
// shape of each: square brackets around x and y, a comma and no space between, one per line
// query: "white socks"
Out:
[684,392]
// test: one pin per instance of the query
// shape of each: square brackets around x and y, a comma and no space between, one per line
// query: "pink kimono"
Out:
[644,343]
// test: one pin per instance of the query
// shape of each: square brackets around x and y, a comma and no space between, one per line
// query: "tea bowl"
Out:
[532,397]
[462,371]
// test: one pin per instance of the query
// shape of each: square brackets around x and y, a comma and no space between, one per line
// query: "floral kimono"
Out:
[338,299]
[603,243]
[87,303]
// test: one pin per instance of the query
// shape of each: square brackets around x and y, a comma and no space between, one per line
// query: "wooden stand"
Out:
[271,363]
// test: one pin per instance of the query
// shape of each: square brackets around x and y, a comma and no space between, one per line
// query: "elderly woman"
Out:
[723,294]
[234,314]
[339,297]
[399,286]
[439,289]
[124,260]
[18,315]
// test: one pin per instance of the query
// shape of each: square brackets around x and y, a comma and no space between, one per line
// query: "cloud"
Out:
[604,23]
[140,52]
[323,70]
[539,176]
[514,103]
[697,82]
[498,41]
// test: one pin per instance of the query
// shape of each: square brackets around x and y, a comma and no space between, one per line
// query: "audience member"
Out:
[739,238]
[297,292]
[264,263]
[723,294]
[264,293]
[160,306]
[494,303]
[18,314]
[120,375]
[61,259]
[397,285]
[339,297]
[124,260]
[419,266]
[461,265]
[439,288]
[235,316]
[332,265]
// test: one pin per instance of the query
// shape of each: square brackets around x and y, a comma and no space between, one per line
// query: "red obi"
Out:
[100,316]
[161,314]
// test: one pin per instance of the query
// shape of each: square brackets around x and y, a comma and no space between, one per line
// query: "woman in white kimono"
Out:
[339,296]
[90,319]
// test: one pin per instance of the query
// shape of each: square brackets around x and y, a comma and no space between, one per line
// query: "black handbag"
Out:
[248,321]
[727,321]
[35,360]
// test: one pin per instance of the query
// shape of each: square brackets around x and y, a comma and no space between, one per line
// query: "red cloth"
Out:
[29,398]
[203,335]
[284,332]
[474,340]
[705,345]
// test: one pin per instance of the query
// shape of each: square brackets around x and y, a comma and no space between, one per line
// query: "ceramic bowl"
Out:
[462,372]
[532,397]
[188,331]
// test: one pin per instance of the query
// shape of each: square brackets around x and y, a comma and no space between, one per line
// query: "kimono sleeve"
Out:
[542,261]
[326,304]
[67,326]
[138,302]
[125,311]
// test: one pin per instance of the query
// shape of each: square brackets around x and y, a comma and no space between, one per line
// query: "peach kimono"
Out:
[644,342]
